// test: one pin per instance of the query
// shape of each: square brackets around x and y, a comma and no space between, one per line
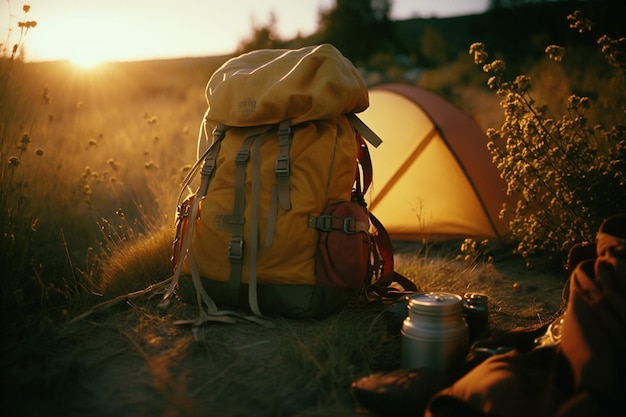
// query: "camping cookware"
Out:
[476,312]
[435,333]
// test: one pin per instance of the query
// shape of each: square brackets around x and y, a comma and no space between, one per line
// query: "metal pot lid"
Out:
[434,303]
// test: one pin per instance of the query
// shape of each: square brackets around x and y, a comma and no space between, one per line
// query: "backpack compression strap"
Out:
[364,130]
[235,246]
[189,213]
[280,192]
[282,167]
[212,313]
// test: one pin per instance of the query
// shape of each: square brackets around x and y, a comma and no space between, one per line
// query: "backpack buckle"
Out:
[208,167]
[235,250]
[242,157]
[323,223]
[282,167]
[349,226]
[284,129]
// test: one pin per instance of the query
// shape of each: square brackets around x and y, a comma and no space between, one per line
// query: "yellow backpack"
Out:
[280,184]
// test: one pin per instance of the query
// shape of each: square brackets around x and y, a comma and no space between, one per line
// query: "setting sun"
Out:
[87,59]
[84,41]
[86,33]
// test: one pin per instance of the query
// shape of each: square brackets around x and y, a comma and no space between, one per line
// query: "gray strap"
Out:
[208,168]
[327,223]
[283,164]
[235,246]
[364,130]
[212,312]
[210,162]
[271,218]
[253,300]
[207,161]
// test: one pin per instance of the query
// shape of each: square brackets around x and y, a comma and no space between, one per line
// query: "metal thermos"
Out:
[476,311]
[435,333]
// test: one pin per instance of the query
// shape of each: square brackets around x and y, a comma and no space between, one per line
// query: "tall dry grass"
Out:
[91,160]
[114,143]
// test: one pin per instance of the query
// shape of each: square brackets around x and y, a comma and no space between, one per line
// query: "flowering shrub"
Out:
[566,175]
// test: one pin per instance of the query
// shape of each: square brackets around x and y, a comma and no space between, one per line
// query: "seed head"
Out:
[555,52]
[579,22]
[14,162]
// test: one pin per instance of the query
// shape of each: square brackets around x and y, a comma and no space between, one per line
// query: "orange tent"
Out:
[433,174]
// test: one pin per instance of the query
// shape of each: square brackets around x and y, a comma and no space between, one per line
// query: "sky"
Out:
[91,31]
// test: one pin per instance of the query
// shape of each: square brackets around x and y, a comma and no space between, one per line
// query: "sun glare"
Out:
[85,61]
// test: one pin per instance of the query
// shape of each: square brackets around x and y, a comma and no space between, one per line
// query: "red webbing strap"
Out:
[365,160]
[385,247]
[390,285]
[383,288]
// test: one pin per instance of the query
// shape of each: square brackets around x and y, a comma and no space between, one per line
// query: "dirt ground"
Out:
[131,360]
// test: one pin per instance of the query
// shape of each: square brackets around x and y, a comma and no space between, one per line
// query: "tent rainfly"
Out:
[433,174]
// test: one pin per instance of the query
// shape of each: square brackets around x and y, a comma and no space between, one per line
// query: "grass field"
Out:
[131,360]
[91,167]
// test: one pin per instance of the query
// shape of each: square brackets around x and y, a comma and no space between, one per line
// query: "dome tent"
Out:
[433,174]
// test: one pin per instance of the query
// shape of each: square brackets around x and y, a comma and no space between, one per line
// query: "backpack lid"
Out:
[268,86]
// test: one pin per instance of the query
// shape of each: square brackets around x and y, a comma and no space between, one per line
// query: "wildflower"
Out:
[493,134]
[39,152]
[555,52]
[14,162]
[113,164]
[24,141]
[522,83]
[496,67]
[27,24]
[45,96]
[120,213]
[579,22]
[26,8]
[575,102]
[477,47]
[613,50]
[478,50]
